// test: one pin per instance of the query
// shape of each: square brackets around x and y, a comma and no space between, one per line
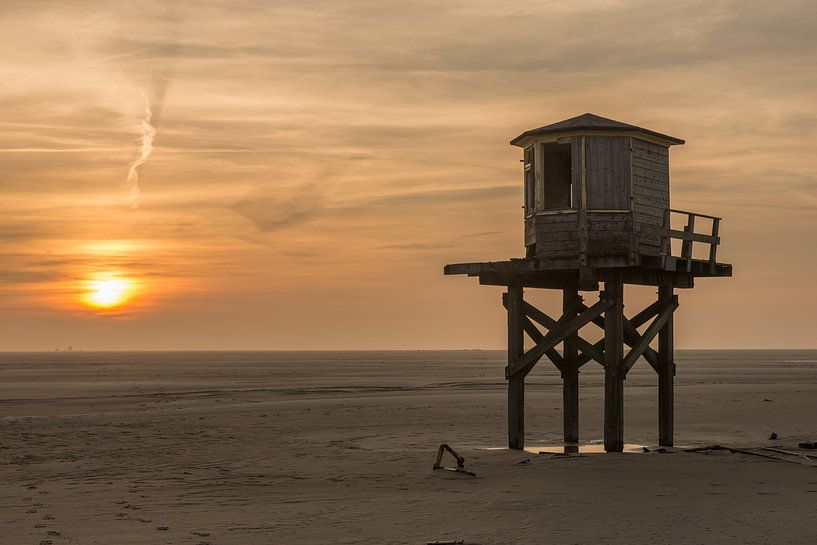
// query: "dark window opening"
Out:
[530,181]
[558,176]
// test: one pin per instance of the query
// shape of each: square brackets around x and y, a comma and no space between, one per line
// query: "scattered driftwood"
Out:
[781,451]
[460,463]
[806,457]
[561,455]
[750,452]
[453,542]
[808,445]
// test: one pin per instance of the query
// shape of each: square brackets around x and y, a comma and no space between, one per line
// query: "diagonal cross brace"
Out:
[644,316]
[536,335]
[538,339]
[556,335]
[546,321]
[631,335]
[667,308]
[592,352]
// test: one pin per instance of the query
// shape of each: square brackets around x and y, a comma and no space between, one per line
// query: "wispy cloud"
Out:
[272,213]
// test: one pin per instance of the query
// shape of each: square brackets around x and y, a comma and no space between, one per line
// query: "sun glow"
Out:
[106,293]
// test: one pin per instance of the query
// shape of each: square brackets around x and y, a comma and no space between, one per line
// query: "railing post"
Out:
[666,241]
[713,248]
[686,245]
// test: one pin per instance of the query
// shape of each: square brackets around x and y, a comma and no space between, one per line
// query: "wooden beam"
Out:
[650,273]
[713,248]
[645,315]
[598,320]
[686,245]
[594,353]
[538,316]
[532,331]
[532,356]
[666,373]
[613,372]
[693,214]
[694,237]
[536,336]
[547,322]
[570,372]
[632,336]
[564,273]
[471,269]
[511,265]
[668,306]
[564,327]
[540,279]
[516,384]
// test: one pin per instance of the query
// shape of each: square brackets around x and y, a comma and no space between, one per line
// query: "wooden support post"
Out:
[516,383]
[666,372]
[570,372]
[613,371]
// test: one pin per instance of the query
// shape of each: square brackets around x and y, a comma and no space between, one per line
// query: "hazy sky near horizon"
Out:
[316,163]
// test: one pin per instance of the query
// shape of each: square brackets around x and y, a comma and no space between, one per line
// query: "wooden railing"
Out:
[688,236]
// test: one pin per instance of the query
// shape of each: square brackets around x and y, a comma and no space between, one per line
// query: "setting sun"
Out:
[108,292]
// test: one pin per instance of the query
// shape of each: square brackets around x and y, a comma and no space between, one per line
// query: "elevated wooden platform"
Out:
[655,322]
[558,274]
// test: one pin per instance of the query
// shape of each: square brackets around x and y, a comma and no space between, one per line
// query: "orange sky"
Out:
[316,163]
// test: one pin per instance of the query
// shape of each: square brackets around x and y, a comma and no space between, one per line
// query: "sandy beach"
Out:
[337,447]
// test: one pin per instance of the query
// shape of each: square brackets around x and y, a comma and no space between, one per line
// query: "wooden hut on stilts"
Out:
[597,212]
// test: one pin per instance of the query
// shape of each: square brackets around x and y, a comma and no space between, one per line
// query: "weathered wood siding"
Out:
[530,231]
[650,164]
[554,235]
[557,235]
[607,164]
[609,233]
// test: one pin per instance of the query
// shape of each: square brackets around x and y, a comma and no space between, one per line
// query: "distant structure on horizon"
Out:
[597,209]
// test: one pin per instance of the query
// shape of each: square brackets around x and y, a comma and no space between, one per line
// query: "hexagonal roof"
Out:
[593,123]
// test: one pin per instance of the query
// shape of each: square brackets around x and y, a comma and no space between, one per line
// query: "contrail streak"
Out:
[148,132]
